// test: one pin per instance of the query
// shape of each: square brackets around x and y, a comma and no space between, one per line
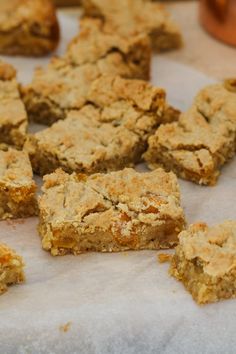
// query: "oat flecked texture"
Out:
[17,188]
[28,27]
[13,117]
[118,211]
[203,139]
[11,268]
[64,84]
[205,261]
[108,134]
[137,16]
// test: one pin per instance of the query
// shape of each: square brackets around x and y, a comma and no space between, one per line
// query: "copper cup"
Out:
[218,17]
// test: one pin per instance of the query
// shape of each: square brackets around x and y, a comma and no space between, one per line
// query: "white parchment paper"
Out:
[117,303]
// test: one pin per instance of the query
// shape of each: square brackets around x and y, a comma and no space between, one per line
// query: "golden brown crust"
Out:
[137,16]
[13,117]
[201,141]
[109,212]
[205,261]
[55,90]
[11,268]
[108,134]
[28,27]
[7,72]
[17,188]
[84,49]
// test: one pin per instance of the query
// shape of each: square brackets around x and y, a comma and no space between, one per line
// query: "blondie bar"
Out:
[17,188]
[137,16]
[13,117]
[123,210]
[107,134]
[135,49]
[202,140]
[28,27]
[205,261]
[63,85]
[11,268]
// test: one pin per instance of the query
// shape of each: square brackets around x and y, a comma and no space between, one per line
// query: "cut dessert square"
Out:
[108,134]
[63,85]
[17,188]
[137,16]
[123,210]
[11,268]
[135,49]
[28,27]
[13,117]
[202,140]
[205,261]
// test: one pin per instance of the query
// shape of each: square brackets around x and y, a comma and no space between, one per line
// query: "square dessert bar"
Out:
[13,117]
[137,16]
[205,261]
[11,268]
[28,27]
[108,134]
[64,84]
[17,188]
[135,49]
[202,140]
[119,211]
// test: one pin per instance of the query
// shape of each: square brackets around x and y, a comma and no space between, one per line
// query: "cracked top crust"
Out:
[133,17]
[101,200]
[55,90]
[205,135]
[20,13]
[83,49]
[12,110]
[108,89]
[121,115]
[82,140]
[206,125]
[214,247]
[59,81]
[15,169]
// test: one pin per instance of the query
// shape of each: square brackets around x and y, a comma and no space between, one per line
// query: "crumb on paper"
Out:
[164,257]
[15,222]
[65,328]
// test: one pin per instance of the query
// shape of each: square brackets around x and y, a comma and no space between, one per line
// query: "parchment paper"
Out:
[117,303]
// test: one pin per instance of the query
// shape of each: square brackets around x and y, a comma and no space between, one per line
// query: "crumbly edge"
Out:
[7,71]
[14,135]
[44,161]
[163,39]
[138,60]
[11,271]
[203,288]
[44,110]
[41,109]
[18,202]
[69,238]
[166,38]
[159,156]
[31,41]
